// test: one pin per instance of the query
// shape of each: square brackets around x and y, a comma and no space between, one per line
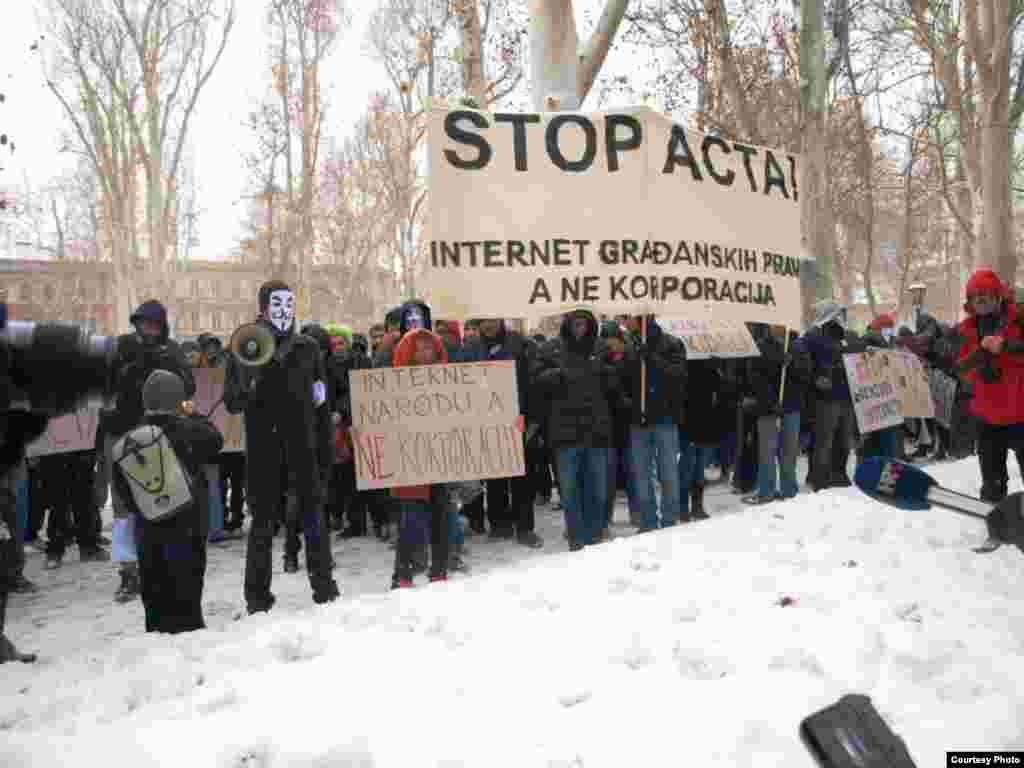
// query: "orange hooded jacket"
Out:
[403,356]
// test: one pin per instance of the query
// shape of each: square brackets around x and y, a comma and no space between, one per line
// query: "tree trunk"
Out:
[561,75]
[816,213]
[474,81]
[553,56]
[995,142]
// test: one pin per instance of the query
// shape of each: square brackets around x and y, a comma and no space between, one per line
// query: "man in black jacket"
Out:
[655,422]
[287,423]
[575,387]
[149,349]
[510,500]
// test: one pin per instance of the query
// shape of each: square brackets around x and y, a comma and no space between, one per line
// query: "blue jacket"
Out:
[827,345]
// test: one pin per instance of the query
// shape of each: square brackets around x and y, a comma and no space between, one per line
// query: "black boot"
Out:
[7,650]
[129,587]
[697,511]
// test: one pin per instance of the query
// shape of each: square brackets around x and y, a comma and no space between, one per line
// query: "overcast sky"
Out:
[34,119]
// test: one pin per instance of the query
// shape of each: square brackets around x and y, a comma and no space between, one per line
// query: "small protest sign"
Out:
[209,401]
[66,434]
[887,386]
[711,338]
[429,424]
[943,389]
[876,401]
[535,214]
[914,386]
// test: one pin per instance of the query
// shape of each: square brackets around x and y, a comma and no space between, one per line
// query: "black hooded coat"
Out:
[136,359]
[282,423]
[576,387]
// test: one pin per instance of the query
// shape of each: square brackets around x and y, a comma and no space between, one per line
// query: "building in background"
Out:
[210,296]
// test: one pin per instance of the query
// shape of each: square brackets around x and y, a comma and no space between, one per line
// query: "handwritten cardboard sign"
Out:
[887,386]
[915,387]
[66,434]
[711,338]
[209,402]
[422,425]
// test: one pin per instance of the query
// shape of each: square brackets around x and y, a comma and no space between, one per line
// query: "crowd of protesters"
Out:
[610,405]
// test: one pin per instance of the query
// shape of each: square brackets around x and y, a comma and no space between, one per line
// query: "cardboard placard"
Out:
[943,388]
[711,338]
[428,424]
[66,434]
[915,387]
[536,214]
[887,386]
[208,401]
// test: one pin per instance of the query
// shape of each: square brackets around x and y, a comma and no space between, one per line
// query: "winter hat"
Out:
[163,392]
[826,311]
[335,330]
[882,321]
[985,282]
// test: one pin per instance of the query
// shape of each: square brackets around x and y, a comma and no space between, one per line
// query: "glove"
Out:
[824,383]
[993,344]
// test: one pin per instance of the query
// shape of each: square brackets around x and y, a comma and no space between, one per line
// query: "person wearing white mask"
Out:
[288,433]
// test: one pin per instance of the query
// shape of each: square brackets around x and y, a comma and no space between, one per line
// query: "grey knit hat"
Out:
[163,392]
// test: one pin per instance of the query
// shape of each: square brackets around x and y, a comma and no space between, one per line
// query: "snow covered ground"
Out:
[664,649]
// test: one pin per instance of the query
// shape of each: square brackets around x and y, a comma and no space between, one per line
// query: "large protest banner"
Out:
[887,386]
[536,214]
[436,424]
[209,401]
[711,338]
[943,390]
[65,434]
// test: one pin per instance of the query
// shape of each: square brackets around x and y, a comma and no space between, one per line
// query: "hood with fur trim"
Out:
[405,350]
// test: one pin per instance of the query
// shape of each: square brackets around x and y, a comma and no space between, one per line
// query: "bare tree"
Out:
[562,74]
[129,74]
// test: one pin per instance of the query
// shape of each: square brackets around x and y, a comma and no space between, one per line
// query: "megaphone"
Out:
[252,345]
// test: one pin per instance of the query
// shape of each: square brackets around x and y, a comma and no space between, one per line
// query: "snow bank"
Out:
[664,649]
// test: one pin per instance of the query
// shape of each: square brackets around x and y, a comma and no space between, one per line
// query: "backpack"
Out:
[160,484]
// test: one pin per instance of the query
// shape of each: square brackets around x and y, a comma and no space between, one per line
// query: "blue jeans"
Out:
[583,488]
[22,504]
[456,531]
[216,502]
[693,459]
[777,455]
[657,445]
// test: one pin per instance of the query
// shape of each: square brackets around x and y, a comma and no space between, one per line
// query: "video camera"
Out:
[53,368]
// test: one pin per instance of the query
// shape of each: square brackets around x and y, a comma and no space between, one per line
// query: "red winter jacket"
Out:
[999,402]
[404,353]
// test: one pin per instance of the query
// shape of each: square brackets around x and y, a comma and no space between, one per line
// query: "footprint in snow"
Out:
[568,700]
[254,757]
[637,658]
[695,665]
[298,647]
